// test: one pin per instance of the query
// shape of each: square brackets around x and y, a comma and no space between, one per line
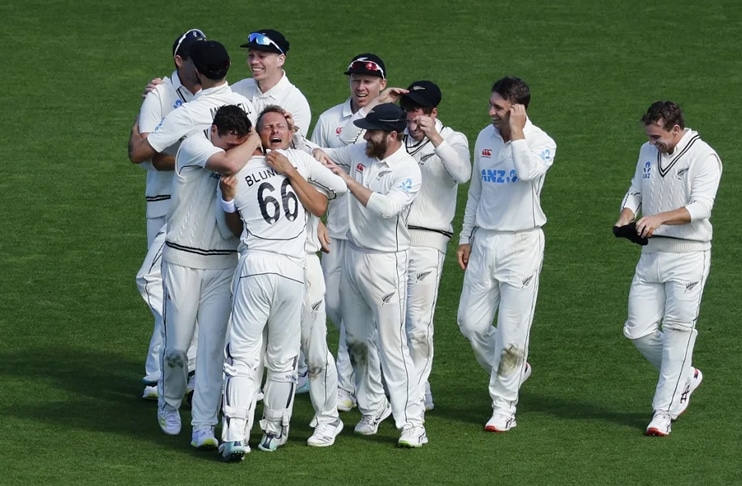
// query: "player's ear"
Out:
[281,60]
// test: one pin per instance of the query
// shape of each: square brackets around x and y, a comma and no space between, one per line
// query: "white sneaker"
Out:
[270,441]
[413,437]
[369,424]
[346,401]
[233,451]
[203,438]
[150,392]
[660,424]
[169,419]
[526,373]
[302,385]
[690,387]
[324,434]
[500,422]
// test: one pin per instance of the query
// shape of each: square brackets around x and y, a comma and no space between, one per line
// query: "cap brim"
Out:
[259,47]
[418,99]
[367,125]
[366,73]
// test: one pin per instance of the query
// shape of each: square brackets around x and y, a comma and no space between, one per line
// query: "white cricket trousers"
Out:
[332,268]
[664,303]
[323,378]
[149,283]
[502,276]
[195,295]
[266,318]
[373,305]
[423,277]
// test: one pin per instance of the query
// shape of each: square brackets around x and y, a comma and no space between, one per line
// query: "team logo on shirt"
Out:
[486,152]
[545,155]
[681,173]
[424,158]
[406,185]
[338,131]
[360,167]
[177,103]
[383,173]
[499,176]
[647,170]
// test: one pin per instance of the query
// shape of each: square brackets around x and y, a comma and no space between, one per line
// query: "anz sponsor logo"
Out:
[647,172]
[499,176]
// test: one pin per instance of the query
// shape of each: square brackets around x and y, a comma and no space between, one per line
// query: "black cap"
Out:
[182,45]
[367,63]
[267,40]
[423,93]
[211,59]
[388,117]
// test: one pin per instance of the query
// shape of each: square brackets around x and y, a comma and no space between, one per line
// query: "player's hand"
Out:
[321,156]
[290,122]
[462,253]
[647,225]
[517,119]
[228,186]
[151,86]
[324,238]
[391,95]
[279,162]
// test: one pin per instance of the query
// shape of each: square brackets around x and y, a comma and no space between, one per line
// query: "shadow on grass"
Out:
[100,392]
[473,406]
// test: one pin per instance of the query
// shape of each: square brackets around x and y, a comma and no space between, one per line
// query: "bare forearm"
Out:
[234,222]
[314,201]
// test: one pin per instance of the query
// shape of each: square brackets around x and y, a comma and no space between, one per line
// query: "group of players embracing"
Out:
[236,190]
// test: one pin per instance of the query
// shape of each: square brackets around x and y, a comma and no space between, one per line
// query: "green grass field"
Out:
[74,332]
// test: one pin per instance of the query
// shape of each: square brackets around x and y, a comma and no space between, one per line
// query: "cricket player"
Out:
[443,157]
[271,195]
[266,55]
[674,187]
[383,181]
[198,266]
[501,245]
[367,78]
[172,93]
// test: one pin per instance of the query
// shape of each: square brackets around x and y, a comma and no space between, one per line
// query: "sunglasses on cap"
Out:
[263,40]
[366,65]
[194,34]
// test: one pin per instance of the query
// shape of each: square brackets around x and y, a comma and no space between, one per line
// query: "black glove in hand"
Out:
[629,232]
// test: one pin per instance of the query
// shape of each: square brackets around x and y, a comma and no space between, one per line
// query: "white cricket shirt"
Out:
[283,94]
[193,238]
[197,116]
[159,102]
[443,169]
[505,189]
[395,181]
[326,134]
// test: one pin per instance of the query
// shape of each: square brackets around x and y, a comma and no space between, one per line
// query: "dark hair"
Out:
[410,105]
[665,113]
[231,119]
[269,109]
[513,89]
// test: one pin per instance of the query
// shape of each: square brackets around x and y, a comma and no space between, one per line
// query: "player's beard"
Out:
[376,149]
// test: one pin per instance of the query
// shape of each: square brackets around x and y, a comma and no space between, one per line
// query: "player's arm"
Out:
[150,115]
[302,116]
[163,161]
[632,200]
[339,156]
[531,158]
[470,213]
[139,147]
[313,201]
[324,179]
[454,155]
[225,197]
[230,162]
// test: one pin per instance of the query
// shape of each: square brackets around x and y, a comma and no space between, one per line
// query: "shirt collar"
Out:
[216,89]
[276,90]
[394,157]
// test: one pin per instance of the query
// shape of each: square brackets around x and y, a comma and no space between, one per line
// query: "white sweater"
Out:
[689,178]
[193,238]
[443,169]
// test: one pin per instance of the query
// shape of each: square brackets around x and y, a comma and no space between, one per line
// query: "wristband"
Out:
[228,206]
